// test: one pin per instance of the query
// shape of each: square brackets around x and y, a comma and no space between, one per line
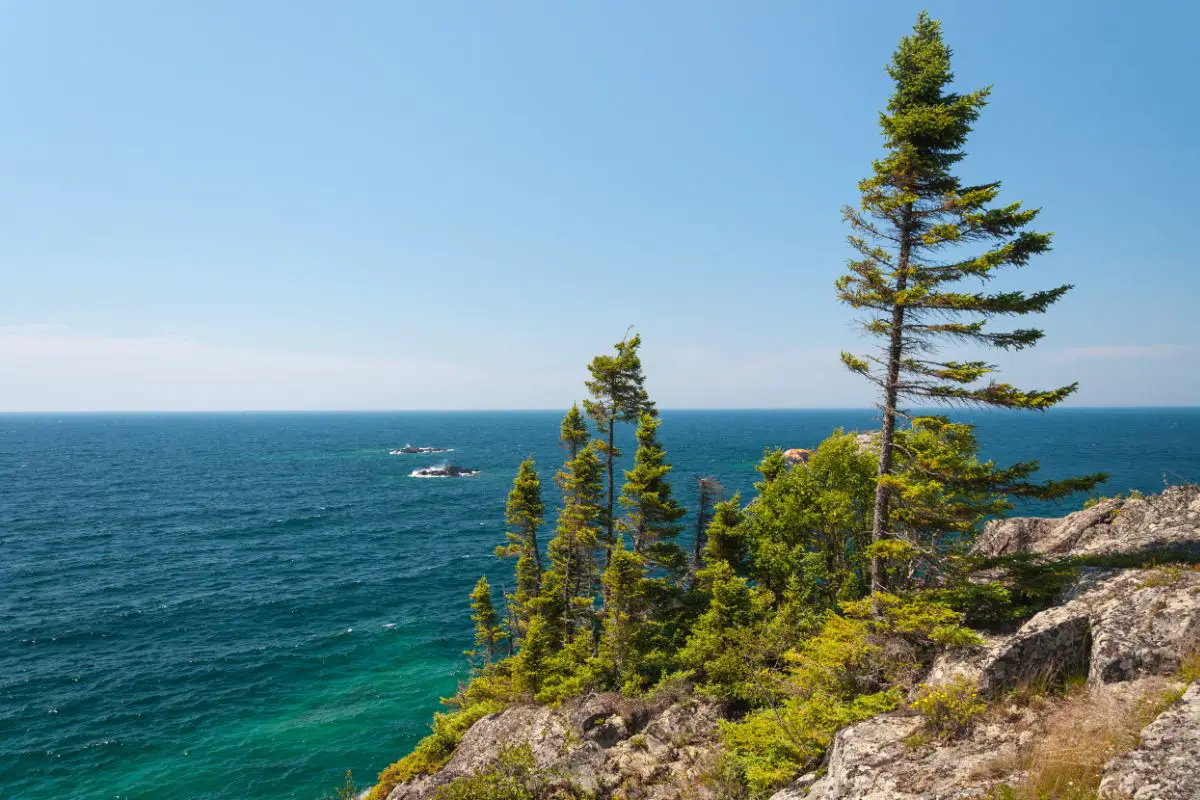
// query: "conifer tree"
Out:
[725,542]
[624,580]
[618,394]
[488,631]
[537,648]
[570,586]
[573,433]
[524,515]
[653,512]
[908,233]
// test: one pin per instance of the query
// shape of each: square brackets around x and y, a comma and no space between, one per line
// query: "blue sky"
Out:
[228,205]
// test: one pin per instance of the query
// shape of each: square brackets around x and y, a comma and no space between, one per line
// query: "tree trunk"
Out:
[610,540]
[887,435]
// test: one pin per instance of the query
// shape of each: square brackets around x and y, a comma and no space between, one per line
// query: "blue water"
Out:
[244,606]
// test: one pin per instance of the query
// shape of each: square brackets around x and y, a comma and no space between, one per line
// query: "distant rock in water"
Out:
[444,471]
[409,450]
[796,455]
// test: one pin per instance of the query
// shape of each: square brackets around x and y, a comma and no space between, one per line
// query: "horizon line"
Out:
[21,411]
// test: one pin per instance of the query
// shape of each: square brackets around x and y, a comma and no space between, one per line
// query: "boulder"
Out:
[1163,523]
[1164,765]
[603,743]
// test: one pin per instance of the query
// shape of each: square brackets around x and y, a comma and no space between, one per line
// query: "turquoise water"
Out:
[245,605]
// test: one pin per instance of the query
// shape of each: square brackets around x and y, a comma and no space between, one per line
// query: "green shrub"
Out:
[951,708]
[774,745]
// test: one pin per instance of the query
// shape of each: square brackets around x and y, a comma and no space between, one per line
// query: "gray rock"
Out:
[1118,626]
[1165,522]
[1166,766]
[603,743]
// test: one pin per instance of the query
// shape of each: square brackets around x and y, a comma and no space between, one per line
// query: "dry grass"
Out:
[1066,761]
[1189,667]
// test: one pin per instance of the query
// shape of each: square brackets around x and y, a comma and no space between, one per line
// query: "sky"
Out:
[288,204]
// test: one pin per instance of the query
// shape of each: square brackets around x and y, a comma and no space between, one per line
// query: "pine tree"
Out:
[537,648]
[725,542]
[573,433]
[618,394]
[624,580]
[653,513]
[570,586]
[524,515]
[488,631]
[913,218]
[945,492]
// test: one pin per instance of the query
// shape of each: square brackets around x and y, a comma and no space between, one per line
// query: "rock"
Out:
[1166,522]
[603,743]
[1118,626]
[796,456]
[1164,765]
[878,760]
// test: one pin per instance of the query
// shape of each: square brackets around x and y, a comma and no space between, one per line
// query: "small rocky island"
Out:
[409,450]
[444,471]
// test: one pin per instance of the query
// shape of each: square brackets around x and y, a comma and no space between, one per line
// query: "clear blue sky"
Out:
[282,204]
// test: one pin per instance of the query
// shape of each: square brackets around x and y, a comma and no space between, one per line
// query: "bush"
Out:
[772,746]
[951,708]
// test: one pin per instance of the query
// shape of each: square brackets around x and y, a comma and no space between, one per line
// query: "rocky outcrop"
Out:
[1161,523]
[1120,628]
[1166,765]
[1116,626]
[604,744]
[1123,628]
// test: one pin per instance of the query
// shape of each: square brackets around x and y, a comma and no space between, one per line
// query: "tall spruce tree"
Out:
[624,585]
[570,584]
[524,514]
[573,433]
[488,631]
[914,218]
[653,514]
[618,394]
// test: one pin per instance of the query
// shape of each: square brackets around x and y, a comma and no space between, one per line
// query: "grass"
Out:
[1066,762]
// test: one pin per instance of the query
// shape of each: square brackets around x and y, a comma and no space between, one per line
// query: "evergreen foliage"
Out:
[618,394]
[524,514]
[912,234]
[624,580]
[488,631]
[568,595]
[573,433]
[653,514]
